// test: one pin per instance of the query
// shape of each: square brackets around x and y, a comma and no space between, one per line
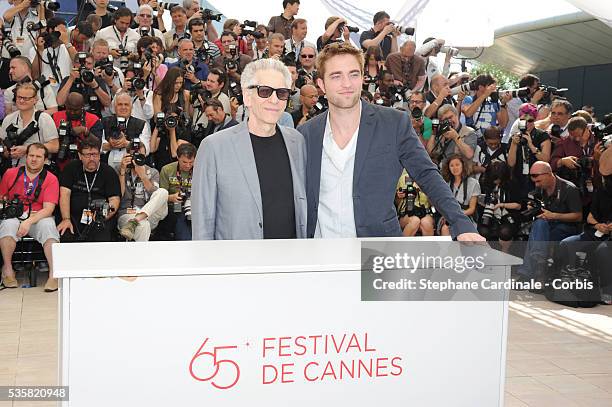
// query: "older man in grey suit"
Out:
[249,180]
[356,152]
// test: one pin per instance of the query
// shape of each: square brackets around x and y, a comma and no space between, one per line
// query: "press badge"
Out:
[589,185]
[525,168]
[52,80]
[132,211]
[19,41]
[86,217]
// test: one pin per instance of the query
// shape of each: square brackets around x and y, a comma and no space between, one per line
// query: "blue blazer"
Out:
[386,144]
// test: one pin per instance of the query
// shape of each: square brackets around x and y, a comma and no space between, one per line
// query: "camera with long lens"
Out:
[555,131]
[106,65]
[444,126]
[10,47]
[186,204]
[12,208]
[236,91]
[449,50]
[184,36]
[516,93]
[410,195]
[348,27]
[466,87]
[209,15]
[134,150]
[138,83]
[50,5]
[403,29]
[488,214]
[40,82]
[535,201]
[163,122]
[38,26]
[100,209]
[198,90]
[549,92]
[85,75]
[166,5]
[203,53]
[67,149]
[302,78]
[416,113]
[249,28]
[602,133]
[14,138]
[124,62]
[397,94]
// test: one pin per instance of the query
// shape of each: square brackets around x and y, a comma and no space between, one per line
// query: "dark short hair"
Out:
[212,102]
[379,16]
[220,73]
[122,12]
[178,9]
[492,132]
[288,2]
[85,29]
[576,123]
[567,105]
[55,22]
[297,22]
[186,150]
[230,33]
[90,142]
[194,22]
[528,80]
[40,146]
[484,79]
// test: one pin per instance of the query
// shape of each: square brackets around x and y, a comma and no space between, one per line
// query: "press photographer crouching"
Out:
[556,210]
[414,211]
[30,195]
[501,209]
[120,129]
[488,150]
[176,179]
[89,196]
[456,171]
[26,126]
[143,203]
[450,137]
[83,80]
[73,125]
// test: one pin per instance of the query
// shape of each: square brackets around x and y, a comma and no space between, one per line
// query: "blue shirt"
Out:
[201,71]
[485,116]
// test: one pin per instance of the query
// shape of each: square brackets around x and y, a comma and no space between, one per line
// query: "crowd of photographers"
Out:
[117,104]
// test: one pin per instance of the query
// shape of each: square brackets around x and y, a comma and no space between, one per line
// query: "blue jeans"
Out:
[599,255]
[542,232]
[182,230]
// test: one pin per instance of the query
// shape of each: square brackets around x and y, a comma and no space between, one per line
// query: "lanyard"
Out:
[31,188]
[90,187]
[55,68]
[122,43]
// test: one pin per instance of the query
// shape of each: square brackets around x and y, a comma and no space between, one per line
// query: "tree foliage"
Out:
[505,79]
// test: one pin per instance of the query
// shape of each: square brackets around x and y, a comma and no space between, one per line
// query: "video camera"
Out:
[516,93]
[249,28]
[10,209]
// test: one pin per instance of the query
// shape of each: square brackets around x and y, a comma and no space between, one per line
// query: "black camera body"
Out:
[549,92]
[209,15]
[10,209]
[235,91]
[444,126]
[397,93]
[119,128]
[134,150]
[13,138]
[536,201]
[68,149]
[249,28]
[50,5]
[199,90]
[106,65]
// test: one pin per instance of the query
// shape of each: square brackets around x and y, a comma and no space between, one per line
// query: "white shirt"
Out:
[61,59]
[335,216]
[48,99]
[21,36]
[46,130]
[115,39]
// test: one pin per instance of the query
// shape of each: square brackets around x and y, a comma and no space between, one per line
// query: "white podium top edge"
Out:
[218,257]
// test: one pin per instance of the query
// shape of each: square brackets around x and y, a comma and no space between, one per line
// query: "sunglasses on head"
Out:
[265,92]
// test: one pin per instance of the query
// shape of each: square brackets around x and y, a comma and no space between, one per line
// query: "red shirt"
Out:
[90,119]
[49,191]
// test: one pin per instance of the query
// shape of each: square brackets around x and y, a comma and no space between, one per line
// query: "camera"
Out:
[534,199]
[444,126]
[106,65]
[162,121]
[516,93]
[85,75]
[403,30]
[166,5]
[120,127]
[449,50]
[13,208]
[209,15]
[489,209]
[321,106]
[417,113]
[550,91]
[410,197]
[144,31]
[203,53]
[13,138]
[48,4]
[51,39]
[10,47]
[137,157]
[230,65]
[397,93]
[198,90]
[67,149]
[236,91]
[39,26]
[435,125]
[186,66]
[603,133]
[40,82]
[249,28]
[184,36]
[349,28]
[186,204]
[100,209]
[138,83]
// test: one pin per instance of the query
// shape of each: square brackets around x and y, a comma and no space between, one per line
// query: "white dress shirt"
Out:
[335,217]
[115,39]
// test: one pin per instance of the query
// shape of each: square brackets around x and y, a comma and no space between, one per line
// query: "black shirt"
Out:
[601,207]
[385,44]
[537,137]
[430,97]
[107,19]
[564,199]
[73,177]
[276,185]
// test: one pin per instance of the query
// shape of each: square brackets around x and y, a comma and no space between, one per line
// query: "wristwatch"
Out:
[69,45]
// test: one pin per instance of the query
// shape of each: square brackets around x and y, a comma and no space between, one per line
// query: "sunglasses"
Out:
[265,92]
[307,56]
[534,176]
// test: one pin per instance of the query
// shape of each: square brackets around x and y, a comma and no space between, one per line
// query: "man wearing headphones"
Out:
[26,126]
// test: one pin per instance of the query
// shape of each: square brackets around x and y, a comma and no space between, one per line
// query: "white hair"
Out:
[146,7]
[270,64]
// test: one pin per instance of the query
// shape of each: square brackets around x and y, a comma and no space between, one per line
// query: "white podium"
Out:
[263,323]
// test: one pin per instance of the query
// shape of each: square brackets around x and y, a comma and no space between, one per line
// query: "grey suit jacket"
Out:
[387,142]
[225,193]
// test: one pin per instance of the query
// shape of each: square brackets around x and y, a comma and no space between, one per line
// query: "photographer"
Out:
[260,46]
[500,215]
[195,12]
[144,19]
[36,192]
[489,151]
[169,126]
[27,126]
[282,24]
[143,203]
[172,37]
[142,98]
[176,179]
[527,147]
[466,189]
[413,208]
[335,30]
[244,46]
[120,129]
[297,41]
[383,34]
[484,109]
[276,46]
[83,80]
[194,70]
[205,50]
[79,36]
[559,218]
[531,82]
[451,137]
[103,62]
[120,37]
[407,68]
[556,122]
[422,126]
[309,96]
[53,54]
[171,93]
[217,118]
[83,183]
[151,60]
[18,16]
[232,60]
[439,95]
[79,124]
[20,70]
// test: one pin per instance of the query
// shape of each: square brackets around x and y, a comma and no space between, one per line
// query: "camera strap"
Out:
[122,43]
[36,190]
[464,184]
[55,68]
